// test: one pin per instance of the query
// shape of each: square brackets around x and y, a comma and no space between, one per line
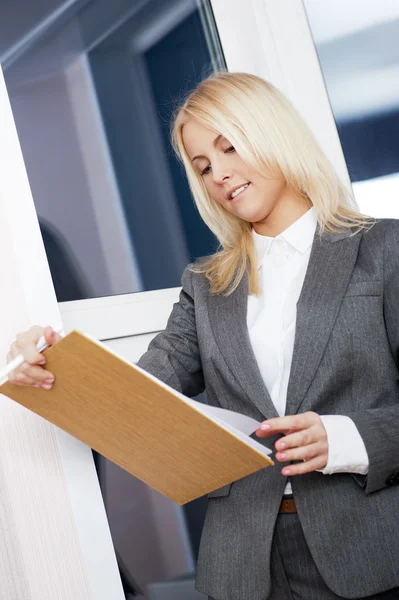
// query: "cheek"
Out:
[215,191]
[272,188]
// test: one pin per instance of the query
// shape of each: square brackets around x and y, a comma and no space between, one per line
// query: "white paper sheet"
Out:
[239,425]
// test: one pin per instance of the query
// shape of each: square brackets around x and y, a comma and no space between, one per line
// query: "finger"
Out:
[284,424]
[36,373]
[26,345]
[51,336]
[14,351]
[18,377]
[315,464]
[302,453]
[17,350]
[300,438]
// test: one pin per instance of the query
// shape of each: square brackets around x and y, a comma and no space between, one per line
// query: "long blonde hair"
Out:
[271,137]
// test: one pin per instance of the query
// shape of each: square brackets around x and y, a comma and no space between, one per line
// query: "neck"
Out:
[289,209]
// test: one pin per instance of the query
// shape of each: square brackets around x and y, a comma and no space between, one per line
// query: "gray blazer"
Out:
[345,362]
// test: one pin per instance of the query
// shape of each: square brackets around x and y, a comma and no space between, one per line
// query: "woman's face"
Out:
[260,200]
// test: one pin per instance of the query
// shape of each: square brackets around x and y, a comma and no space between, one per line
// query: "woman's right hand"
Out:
[32,372]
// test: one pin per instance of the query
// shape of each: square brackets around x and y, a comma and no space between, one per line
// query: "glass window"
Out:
[357,45]
[93,85]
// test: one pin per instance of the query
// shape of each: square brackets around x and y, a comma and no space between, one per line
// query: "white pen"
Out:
[18,360]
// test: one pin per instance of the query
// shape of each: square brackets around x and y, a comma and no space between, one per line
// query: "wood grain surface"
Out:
[136,422]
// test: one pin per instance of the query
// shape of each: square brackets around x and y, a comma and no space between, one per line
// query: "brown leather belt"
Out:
[287,506]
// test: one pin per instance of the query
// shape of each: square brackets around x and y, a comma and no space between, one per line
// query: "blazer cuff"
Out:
[346,450]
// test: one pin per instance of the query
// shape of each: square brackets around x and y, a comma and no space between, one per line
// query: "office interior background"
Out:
[93,85]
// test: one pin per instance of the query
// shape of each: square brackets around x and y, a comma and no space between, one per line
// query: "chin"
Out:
[253,216]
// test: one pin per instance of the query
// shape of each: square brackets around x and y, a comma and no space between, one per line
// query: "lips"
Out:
[237,190]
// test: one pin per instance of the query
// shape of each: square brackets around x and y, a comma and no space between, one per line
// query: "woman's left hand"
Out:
[305,439]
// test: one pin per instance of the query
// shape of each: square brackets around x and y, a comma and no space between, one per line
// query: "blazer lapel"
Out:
[331,263]
[228,316]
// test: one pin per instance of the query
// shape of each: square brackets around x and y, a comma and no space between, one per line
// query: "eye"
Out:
[206,170]
[229,150]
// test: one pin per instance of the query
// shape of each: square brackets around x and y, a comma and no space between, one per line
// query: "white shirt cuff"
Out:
[346,450]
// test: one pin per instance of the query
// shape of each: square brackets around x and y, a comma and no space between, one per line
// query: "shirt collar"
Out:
[299,236]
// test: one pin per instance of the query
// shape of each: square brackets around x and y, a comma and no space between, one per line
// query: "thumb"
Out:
[51,336]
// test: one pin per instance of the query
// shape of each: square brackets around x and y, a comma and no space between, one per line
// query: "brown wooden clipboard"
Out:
[136,421]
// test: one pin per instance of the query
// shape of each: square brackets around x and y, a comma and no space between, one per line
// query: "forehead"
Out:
[197,138]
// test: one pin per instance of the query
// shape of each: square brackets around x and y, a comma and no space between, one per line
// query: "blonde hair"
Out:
[271,137]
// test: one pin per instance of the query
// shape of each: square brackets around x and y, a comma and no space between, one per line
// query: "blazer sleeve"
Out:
[173,355]
[379,427]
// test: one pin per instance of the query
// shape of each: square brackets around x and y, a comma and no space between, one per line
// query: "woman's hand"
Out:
[305,440]
[32,372]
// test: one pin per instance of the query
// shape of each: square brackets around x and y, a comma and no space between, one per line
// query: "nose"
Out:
[221,171]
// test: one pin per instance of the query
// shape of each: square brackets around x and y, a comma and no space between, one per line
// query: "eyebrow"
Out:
[215,143]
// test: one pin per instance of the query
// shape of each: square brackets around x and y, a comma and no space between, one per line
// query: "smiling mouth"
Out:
[238,191]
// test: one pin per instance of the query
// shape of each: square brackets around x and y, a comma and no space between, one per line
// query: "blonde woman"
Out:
[293,322]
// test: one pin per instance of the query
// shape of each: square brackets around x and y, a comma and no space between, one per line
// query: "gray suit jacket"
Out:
[345,362]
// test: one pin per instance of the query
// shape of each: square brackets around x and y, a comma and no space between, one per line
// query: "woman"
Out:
[293,322]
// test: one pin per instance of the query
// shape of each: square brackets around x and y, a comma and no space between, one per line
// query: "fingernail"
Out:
[282,445]
[47,386]
[42,362]
[265,426]
[283,455]
[49,380]
[286,472]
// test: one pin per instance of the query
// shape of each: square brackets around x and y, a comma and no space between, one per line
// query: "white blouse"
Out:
[271,320]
